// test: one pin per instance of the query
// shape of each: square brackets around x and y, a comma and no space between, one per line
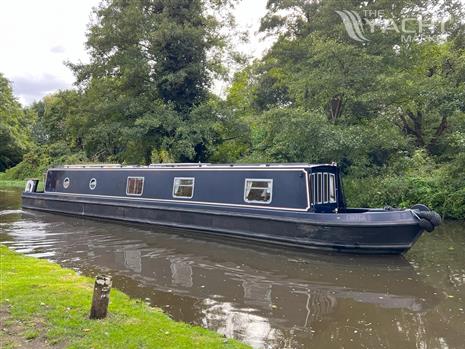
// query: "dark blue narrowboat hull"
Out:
[370,231]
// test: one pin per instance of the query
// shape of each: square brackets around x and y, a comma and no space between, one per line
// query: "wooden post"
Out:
[101,297]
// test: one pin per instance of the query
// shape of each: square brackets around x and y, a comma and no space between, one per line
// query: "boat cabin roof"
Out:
[195,165]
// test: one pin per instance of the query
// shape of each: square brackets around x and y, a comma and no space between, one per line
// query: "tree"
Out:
[316,66]
[14,127]
[427,94]
[59,119]
[152,63]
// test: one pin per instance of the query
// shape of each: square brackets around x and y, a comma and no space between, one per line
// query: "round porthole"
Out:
[92,183]
[66,183]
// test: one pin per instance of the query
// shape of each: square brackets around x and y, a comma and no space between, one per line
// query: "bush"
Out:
[40,158]
[408,181]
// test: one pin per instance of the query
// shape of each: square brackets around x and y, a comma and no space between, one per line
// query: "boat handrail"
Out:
[193,164]
[91,166]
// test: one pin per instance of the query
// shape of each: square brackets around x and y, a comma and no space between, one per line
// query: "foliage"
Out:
[152,63]
[293,135]
[36,162]
[55,302]
[14,127]
[409,181]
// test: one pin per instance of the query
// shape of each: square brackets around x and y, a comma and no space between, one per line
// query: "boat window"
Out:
[332,188]
[319,188]
[92,184]
[258,190]
[325,188]
[135,186]
[313,189]
[66,183]
[183,187]
[322,188]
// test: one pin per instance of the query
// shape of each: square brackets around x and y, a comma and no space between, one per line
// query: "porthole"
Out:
[92,184]
[66,183]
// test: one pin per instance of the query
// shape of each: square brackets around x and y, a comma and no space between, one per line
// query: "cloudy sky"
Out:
[38,36]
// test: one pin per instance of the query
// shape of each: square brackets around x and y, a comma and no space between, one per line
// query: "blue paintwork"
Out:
[211,186]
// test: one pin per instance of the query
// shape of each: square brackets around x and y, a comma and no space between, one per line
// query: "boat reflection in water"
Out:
[267,297]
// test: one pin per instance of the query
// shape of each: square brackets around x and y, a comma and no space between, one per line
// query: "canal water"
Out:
[265,296]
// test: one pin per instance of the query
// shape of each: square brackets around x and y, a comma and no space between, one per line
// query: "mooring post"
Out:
[101,297]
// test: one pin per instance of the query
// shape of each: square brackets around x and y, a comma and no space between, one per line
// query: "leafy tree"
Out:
[427,94]
[294,135]
[59,119]
[315,63]
[152,63]
[14,127]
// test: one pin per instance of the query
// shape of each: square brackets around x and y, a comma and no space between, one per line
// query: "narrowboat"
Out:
[300,205]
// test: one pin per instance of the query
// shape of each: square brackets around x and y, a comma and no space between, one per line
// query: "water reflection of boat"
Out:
[261,294]
[258,272]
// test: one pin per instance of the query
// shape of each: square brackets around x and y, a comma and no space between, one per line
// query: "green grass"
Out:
[6,183]
[12,184]
[46,304]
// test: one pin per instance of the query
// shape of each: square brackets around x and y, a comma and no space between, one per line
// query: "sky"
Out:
[39,36]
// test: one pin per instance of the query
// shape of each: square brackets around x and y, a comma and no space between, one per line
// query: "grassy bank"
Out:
[43,305]
[15,183]
[12,184]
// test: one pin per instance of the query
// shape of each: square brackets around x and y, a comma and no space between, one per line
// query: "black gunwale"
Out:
[311,218]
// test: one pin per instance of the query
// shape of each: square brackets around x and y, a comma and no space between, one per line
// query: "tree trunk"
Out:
[439,132]
[335,108]
[416,129]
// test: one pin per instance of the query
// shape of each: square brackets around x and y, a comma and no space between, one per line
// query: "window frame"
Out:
[267,180]
[127,185]
[90,181]
[185,178]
